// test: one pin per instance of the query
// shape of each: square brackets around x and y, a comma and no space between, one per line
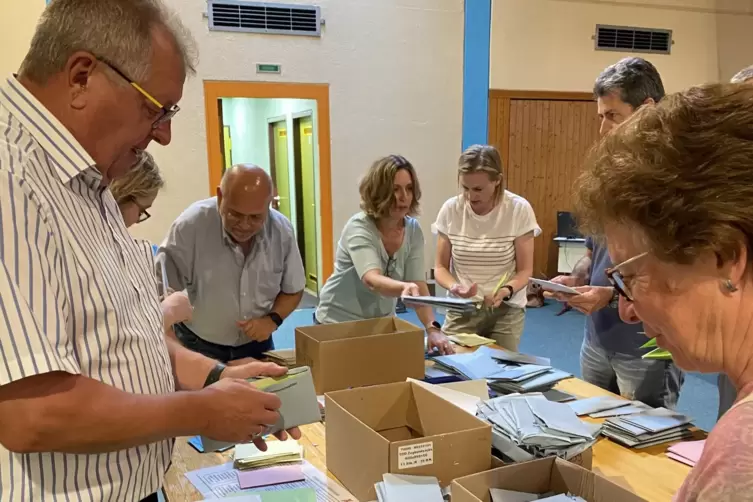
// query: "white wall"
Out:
[395,73]
[17,21]
[548,45]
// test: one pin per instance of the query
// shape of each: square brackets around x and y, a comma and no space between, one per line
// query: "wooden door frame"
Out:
[502,121]
[218,89]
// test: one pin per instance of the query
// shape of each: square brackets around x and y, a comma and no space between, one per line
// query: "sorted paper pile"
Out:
[248,456]
[528,426]
[687,452]
[283,357]
[507,372]
[499,495]
[607,406]
[649,428]
[404,488]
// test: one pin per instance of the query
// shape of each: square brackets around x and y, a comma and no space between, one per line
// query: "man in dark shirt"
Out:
[611,354]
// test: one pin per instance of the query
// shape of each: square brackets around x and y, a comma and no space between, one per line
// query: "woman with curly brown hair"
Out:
[671,190]
[380,255]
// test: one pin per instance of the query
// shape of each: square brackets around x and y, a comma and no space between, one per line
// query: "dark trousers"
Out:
[151,498]
[223,353]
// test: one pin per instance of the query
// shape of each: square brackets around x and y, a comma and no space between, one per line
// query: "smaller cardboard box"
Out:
[359,353]
[401,428]
[541,476]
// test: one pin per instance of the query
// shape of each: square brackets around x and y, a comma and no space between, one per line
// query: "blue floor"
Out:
[559,339]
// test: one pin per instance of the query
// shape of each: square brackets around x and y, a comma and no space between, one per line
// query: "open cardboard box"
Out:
[359,353]
[541,476]
[401,428]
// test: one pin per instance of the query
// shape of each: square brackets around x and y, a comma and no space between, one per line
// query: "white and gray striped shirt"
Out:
[77,294]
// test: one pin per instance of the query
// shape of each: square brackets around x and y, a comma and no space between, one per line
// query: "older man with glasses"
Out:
[239,262]
[88,401]
[611,354]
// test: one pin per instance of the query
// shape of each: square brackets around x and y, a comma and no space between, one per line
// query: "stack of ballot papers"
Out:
[528,426]
[283,357]
[248,456]
[687,452]
[607,406]
[444,302]
[499,495]
[506,372]
[404,488]
[651,427]
[470,339]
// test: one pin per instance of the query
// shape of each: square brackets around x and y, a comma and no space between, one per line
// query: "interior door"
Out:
[307,207]
[280,169]
[543,139]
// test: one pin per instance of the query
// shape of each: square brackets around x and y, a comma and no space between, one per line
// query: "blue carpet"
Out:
[559,339]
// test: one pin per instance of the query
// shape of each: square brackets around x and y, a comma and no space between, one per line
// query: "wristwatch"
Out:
[615,301]
[276,318]
[215,374]
[436,325]
[512,292]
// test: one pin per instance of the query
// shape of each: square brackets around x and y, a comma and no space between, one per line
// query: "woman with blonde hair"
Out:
[136,190]
[670,190]
[485,249]
[380,255]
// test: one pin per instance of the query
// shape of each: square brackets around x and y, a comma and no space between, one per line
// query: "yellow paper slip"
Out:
[276,450]
[470,339]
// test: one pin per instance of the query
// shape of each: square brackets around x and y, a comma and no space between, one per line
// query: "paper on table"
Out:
[274,475]
[222,480]
[691,451]
[465,401]
[478,388]
[405,488]
[596,404]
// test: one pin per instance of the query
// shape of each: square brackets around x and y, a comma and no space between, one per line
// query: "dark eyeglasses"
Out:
[166,113]
[143,213]
[618,280]
[390,267]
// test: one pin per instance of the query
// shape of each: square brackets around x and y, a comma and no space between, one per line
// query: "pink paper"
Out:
[690,451]
[274,475]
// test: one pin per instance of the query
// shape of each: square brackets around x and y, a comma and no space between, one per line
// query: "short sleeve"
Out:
[362,245]
[526,220]
[293,273]
[32,288]
[442,223]
[177,251]
[414,263]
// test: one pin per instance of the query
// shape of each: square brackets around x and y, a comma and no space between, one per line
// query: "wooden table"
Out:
[648,472]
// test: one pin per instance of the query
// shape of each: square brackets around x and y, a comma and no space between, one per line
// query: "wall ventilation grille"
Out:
[631,39]
[260,17]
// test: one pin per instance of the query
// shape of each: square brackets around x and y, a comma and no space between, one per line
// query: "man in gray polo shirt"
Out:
[239,262]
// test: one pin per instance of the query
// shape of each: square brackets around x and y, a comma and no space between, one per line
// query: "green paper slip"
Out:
[291,495]
[649,344]
[660,354]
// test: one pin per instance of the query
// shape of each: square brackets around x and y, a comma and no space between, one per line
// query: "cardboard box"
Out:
[359,353]
[541,476]
[401,428]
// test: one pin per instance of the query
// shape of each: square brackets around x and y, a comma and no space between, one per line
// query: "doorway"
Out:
[287,135]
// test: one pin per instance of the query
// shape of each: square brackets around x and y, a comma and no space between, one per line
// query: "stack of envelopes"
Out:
[507,372]
[283,357]
[607,406]
[248,456]
[649,428]
[444,302]
[499,495]
[528,426]
[404,488]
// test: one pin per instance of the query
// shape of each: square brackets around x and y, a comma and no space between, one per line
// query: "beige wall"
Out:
[548,44]
[17,21]
[395,74]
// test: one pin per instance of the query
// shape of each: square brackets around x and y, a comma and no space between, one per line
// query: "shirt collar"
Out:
[67,154]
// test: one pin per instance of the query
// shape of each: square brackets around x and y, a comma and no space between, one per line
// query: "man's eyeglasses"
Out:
[143,213]
[166,113]
[618,280]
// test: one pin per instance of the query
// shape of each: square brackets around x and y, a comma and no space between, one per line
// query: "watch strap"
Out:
[276,318]
[512,292]
[215,374]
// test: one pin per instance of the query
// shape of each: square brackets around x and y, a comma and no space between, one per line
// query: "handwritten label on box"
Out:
[415,455]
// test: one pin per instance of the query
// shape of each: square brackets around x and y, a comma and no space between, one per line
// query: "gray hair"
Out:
[117,31]
[743,75]
[634,79]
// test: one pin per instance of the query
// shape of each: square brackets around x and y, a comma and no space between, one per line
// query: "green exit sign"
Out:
[268,68]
